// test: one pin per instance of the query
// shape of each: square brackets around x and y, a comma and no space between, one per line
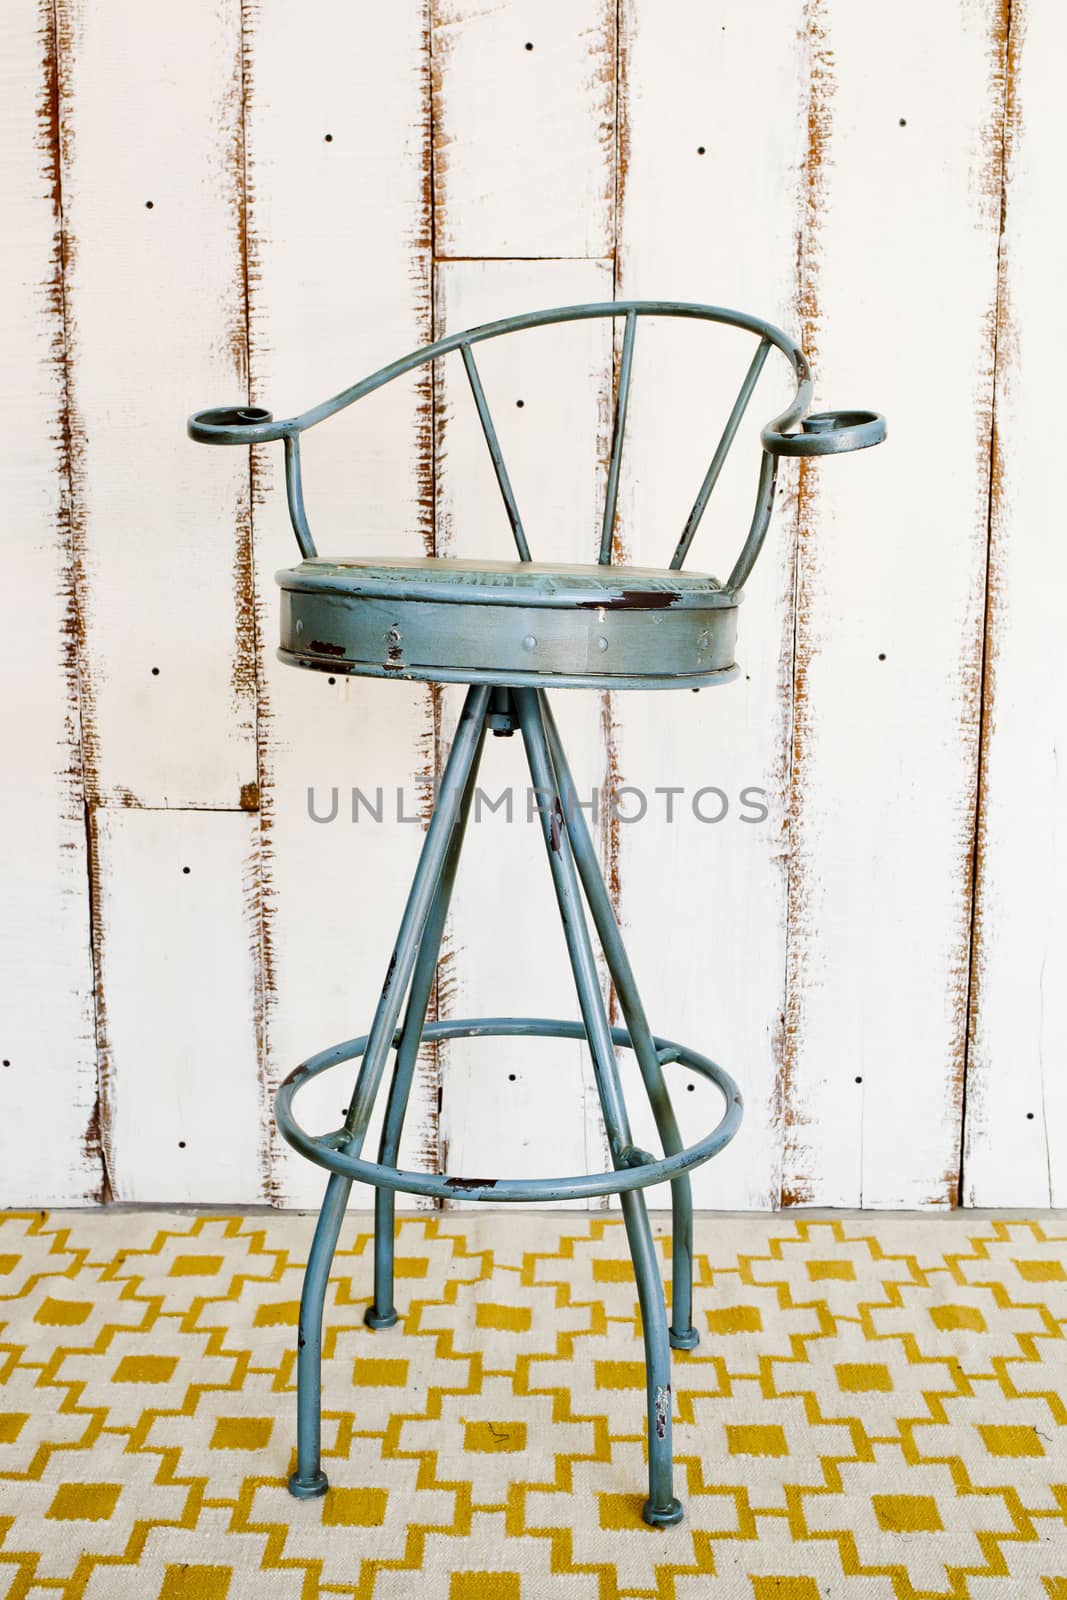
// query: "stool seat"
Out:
[508,622]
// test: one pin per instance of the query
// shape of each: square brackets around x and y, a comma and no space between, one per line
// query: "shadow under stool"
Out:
[511,630]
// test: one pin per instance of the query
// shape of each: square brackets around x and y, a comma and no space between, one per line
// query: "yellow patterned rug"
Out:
[877,1411]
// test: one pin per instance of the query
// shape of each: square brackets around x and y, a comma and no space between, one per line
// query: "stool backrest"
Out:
[831,432]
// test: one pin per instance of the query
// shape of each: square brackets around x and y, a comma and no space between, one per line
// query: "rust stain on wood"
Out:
[253,626]
[617,19]
[93,1148]
[429,1079]
[245,673]
[254,896]
[54,136]
[232,122]
[428,1082]
[57,35]
[243,676]
[797,1187]
[440,19]
[610,826]
[98,1140]
[425,306]
[610,842]
[623,132]
[1008,29]
[605,55]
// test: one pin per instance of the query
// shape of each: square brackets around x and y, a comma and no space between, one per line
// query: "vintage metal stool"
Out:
[512,629]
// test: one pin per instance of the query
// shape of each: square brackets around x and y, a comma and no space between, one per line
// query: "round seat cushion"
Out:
[508,622]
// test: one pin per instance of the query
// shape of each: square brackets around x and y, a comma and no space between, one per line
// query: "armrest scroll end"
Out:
[231,425]
[828,433]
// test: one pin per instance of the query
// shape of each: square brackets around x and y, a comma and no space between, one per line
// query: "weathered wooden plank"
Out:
[905,121]
[339,231]
[531,1108]
[156,327]
[524,120]
[1016,1108]
[175,911]
[712,138]
[49,1152]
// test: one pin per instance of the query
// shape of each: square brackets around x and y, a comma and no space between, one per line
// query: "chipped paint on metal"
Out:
[663,1409]
[555,833]
[632,600]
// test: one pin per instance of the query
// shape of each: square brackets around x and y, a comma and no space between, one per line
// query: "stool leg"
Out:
[382,1312]
[661,1508]
[309,1479]
[683,1335]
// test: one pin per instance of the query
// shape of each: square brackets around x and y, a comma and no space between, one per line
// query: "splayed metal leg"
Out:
[683,1335]
[309,1480]
[661,1509]
[382,1313]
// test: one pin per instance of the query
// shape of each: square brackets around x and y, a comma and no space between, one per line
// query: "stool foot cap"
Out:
[308,1489]
[688,1339]
[667,1516]
[381,1319]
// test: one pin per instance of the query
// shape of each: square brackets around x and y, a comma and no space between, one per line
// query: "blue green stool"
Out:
[511,630]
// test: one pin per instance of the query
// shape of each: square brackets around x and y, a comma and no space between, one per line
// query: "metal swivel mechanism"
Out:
[512,630]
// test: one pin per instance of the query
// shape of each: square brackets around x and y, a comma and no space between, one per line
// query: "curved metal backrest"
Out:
[825,434]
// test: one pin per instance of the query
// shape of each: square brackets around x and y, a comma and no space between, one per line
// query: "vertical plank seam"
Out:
[245,631]
[1008,47]
[256,899]
[794,1189]
[98,1129]
[443,983]
[610,834]
[258,482]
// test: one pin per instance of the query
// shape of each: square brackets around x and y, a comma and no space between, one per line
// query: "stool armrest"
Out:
[826,433]
[823,433]
[253,425]
[236,425]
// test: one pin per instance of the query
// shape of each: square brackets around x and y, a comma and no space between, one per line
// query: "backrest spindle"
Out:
[722,450]
[607,532]
[495,453]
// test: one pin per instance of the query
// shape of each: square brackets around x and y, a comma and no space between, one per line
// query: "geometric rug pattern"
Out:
[877,1410]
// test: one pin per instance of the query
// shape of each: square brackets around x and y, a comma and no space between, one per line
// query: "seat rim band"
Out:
[326,1150]
[502,678]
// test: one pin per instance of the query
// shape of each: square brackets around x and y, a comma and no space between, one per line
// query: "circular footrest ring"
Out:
[327,1150]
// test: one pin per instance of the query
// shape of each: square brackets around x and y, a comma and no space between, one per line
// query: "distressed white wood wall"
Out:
[234,199]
